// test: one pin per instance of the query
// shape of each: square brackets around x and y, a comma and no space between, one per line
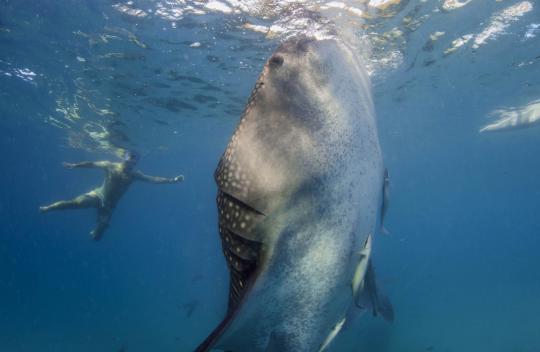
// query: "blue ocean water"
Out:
[81,80]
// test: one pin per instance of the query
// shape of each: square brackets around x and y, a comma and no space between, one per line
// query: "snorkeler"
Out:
[118,178]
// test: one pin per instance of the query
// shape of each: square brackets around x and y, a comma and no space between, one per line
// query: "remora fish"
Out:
[299,186]
[385,199]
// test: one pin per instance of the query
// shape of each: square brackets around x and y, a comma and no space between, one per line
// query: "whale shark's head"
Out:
[297,64]
[306,73]
[292,80]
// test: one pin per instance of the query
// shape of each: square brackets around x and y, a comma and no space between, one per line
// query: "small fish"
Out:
[174,76]
[170,103]
[210,87]
[200,98]
[123,56]
[212,58]
[189,307]
[160,85]
[160,122]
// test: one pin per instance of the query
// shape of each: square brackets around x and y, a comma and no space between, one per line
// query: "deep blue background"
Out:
[461,265]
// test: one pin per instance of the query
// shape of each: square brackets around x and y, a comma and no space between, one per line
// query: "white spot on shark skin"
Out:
[515,118]
[195,45]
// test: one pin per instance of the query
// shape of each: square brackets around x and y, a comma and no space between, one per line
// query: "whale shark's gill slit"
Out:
[247,206]
[242,259]
[237,229]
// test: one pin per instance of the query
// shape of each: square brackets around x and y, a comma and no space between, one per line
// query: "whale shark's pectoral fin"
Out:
[241,241]
[369,297]
[241,245]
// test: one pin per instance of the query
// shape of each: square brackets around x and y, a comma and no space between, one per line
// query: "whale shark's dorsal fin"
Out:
[369,297]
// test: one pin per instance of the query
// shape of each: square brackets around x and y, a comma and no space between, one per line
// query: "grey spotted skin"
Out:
[236,223]
[299,191]
[237,220]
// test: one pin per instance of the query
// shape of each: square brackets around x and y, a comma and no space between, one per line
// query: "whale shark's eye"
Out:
[276,60]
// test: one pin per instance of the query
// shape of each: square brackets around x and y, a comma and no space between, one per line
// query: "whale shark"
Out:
[299,192]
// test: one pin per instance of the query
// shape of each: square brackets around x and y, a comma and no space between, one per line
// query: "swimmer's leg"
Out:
[103,218]
[87,200]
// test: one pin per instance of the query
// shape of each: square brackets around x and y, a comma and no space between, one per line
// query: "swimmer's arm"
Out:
[156,179]
[89,164]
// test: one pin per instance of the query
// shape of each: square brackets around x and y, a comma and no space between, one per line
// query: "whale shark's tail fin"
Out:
[380,304]
[371,298]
